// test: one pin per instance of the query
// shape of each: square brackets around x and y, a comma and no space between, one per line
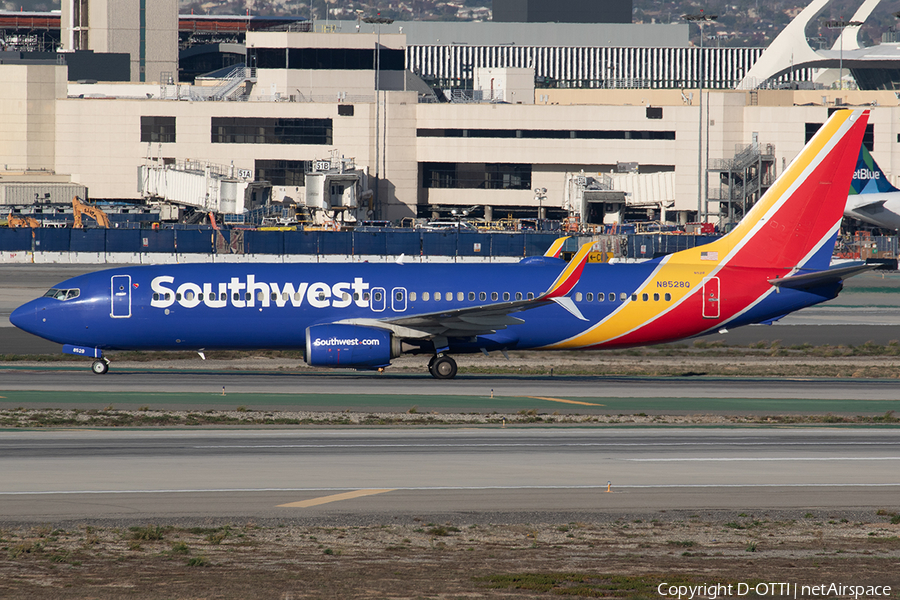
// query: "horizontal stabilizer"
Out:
[808,280]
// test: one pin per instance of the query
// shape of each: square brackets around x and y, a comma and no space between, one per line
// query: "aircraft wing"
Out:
[808,280]
[860,202]
[486,318]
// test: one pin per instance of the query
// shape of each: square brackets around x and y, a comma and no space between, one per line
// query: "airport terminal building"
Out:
[322,120]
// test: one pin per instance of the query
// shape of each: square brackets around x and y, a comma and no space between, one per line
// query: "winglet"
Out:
[570,275]
[556,247]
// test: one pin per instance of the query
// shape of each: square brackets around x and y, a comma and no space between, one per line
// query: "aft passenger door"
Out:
[711,304]
[120,297]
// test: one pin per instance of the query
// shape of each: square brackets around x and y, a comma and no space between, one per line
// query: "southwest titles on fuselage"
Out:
[248,292]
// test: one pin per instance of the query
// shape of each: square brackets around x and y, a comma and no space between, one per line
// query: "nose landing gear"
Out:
[442,366]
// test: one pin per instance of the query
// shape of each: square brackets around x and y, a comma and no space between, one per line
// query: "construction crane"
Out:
[13,221]
[80,208]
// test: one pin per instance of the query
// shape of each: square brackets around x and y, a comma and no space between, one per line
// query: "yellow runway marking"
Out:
[565,401]
[332,498]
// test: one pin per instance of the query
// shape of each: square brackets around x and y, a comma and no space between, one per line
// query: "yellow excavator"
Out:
[13,221]
[80,208]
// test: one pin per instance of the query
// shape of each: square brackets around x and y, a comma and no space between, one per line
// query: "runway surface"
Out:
[484,473]
[77,387]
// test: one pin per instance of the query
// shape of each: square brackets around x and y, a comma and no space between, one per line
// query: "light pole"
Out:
[378,22]
[700,19]
[841,24]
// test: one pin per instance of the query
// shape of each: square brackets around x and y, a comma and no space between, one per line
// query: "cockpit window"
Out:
[62,294]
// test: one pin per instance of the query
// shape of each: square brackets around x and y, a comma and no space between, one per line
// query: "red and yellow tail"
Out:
[792,228]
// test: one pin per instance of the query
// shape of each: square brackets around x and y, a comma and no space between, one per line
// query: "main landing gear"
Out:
[100,366]
[442,366]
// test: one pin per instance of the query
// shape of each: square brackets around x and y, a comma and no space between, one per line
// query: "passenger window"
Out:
[156,296]
[578,297]
[273,296]
[531,295]
[285,296]
[471,296]
[412,296]
[601,296]
[656,297]
[366,296]
[518,295]
[668,297]
[189,295]
[482,296]
[224,297]
[459,296]
[177,297]
[248,296]
[506,296]
[589,297]
[260,296]
[425,296]
[623,296]
[448,296]
[377,296]
[398,296]
[645,297]
[634,297]
[612,297]
[236,297]
[494,296]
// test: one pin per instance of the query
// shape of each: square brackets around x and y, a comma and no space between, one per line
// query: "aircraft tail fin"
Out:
[868,178]
[795,223]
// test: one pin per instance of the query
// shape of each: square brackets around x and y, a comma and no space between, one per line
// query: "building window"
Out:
[485,176]
[548,134]
[332,59]
[281,172]
[158,130]
[257,130]
[868,137]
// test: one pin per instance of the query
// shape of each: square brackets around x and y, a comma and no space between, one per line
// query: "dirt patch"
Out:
[452,559]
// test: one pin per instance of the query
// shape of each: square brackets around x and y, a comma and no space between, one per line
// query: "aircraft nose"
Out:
[23,317]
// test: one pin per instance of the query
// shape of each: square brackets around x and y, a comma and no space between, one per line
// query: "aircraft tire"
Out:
[100,367]
[444,367]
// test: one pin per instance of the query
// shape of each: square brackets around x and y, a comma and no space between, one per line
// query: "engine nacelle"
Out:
[333,345]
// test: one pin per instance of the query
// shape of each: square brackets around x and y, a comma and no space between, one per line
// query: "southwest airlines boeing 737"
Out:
[362,315]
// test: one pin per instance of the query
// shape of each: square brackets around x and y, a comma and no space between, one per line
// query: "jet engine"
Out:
[334,345]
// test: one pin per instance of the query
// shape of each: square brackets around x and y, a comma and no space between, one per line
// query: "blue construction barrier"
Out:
[336,242]
[202,240]
[189,241]
[367,244]
[15,240]
[157,240]
[123,240]
[439,243]
[536,244]
[301,242]
[51,240]
[264,242]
